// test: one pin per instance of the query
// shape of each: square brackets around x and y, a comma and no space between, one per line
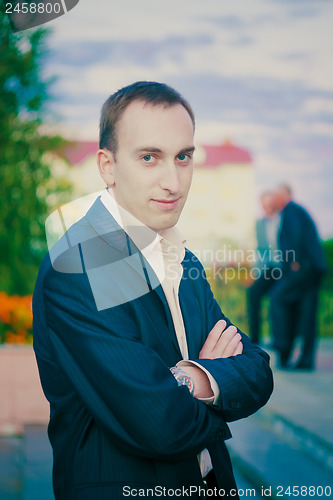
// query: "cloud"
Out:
[316,105]
[128,20]
[313,128]
[142,52]
[258,41]
[295,56]
[229,22]
[242,40]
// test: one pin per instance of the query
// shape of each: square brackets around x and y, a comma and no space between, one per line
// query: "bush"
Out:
[15,319]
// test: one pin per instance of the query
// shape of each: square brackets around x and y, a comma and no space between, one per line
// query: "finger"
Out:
[221,344]
[214,336]
[239,349]
[232,346]
[225,338]
[227,343]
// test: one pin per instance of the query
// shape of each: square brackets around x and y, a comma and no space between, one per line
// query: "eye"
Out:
[149,159]
[184,158]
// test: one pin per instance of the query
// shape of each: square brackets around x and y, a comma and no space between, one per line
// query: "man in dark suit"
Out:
[294,298]
[140,366]
[266,232]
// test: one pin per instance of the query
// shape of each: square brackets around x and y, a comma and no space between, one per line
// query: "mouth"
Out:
[167,204]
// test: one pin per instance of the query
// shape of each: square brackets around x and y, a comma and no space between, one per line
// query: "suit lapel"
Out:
[122,247]
[171,328]
[190,307]
[106,227]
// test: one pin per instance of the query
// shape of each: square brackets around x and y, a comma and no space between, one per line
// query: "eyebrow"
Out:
[190,149]
[147,149]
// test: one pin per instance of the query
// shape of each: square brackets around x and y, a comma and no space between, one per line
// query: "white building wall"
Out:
[220,210]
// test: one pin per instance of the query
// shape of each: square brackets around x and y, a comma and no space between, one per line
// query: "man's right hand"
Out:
[222,342]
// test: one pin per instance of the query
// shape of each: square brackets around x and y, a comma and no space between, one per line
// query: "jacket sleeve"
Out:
[245,381]
[300,242]
[312,247]
[124,385]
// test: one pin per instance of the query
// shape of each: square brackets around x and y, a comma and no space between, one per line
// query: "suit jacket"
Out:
[117,415]
[299,241]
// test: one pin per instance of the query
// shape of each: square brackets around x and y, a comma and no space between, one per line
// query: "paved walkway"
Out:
[21,396]
[288,444]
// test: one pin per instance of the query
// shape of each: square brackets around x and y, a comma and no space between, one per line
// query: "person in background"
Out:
[294,298]
[266,232]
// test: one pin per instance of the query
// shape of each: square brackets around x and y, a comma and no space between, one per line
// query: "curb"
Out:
[309,443]
[250,474]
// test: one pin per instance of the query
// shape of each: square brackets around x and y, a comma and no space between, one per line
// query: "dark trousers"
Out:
[255,294]
[211,484]
[294,304]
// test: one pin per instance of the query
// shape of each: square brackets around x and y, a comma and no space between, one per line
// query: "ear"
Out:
[105,162]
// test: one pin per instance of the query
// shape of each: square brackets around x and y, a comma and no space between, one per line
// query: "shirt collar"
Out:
[173,243]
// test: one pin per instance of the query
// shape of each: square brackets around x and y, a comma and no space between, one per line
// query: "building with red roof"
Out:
[223,154]
[219,213]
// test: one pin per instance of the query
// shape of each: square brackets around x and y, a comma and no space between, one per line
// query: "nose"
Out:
[169,179]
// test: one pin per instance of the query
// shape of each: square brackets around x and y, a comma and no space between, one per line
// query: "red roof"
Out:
[225,153]
[216,155]
[79,151]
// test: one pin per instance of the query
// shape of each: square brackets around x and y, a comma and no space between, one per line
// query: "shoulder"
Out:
[65,255]
[295,208]
[63,259]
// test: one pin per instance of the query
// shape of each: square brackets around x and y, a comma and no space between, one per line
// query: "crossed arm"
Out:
[118,378]
[221,342]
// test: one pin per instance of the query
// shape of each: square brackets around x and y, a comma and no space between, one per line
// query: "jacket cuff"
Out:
[213,400]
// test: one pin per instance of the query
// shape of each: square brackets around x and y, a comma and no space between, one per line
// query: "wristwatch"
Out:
[182,378]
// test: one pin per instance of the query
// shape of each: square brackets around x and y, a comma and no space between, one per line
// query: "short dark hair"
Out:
[153,93]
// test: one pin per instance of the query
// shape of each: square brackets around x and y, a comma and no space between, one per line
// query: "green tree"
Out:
[25,176]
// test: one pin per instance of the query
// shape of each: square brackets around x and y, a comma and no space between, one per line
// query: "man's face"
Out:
[152,171]
[281,198]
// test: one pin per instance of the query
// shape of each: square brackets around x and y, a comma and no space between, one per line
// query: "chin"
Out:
[161,222]
[166,225]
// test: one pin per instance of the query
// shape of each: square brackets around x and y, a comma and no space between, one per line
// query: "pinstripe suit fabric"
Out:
[117,416]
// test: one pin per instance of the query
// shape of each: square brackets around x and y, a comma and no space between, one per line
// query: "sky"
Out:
[258,72]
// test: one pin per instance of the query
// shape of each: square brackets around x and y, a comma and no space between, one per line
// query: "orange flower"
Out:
[15,318]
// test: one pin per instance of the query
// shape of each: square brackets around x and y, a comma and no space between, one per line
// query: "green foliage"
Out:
[25,177]
[232,298]
[328,249]
[326,295]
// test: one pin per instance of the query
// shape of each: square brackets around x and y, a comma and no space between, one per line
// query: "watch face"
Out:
[185,380]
